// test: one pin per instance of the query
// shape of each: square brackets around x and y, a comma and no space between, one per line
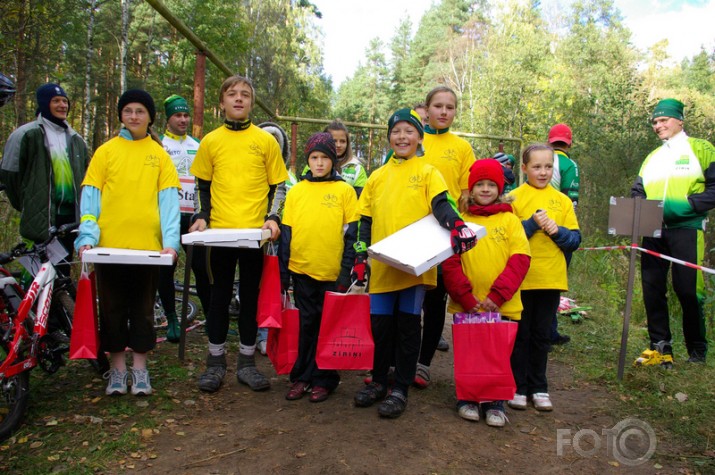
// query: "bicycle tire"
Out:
[101,364]
[14,391]
[160,319]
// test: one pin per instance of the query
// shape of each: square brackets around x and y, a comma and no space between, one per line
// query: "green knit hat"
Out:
[406,115]
[669,108]
[174,104]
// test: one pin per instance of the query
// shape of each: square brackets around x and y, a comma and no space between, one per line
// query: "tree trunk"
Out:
[124,46]
[88,70]
[21,76]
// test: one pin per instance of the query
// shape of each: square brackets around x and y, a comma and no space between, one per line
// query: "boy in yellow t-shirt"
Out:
[240,177]
[396,195]
[317,253]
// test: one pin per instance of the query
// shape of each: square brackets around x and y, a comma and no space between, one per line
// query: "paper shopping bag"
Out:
[282,345]
[84,341]
[269,295]
[345,338]
[482,367]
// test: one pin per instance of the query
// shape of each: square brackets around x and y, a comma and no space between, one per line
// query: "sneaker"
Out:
[422,379]
[370,394]
[496,417]
[542,402]
[654,358]
[561,339]
[469,411]
[697,357]
[394,405]
[442,345]
[248,374]
[117,382]
[262,347]
[140,382]
[319,394]
[297,390]
[211,379]
[519,402]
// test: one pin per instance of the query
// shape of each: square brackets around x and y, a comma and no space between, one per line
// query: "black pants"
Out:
[167,293]
[397,339]
[434,309]
[531,349]
[309,296]
[222,270]
[126,306]
[687,245]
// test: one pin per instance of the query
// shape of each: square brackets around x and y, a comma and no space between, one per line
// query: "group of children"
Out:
[329,219]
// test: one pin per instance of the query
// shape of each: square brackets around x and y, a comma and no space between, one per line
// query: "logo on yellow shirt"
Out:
[555,206]
[416,181]
[450,154]
[151,161]
[498,234]
[330,200]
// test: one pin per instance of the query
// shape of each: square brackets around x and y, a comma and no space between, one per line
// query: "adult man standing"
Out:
[43,166]
[566,180]
[240,177]
[182,148]
[681,173]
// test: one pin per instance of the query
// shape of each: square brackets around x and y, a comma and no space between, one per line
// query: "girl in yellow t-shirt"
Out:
[550,223]
[396,195]
[488,278]
[130,200]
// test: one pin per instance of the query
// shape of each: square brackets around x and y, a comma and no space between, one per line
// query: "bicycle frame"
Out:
[40,292]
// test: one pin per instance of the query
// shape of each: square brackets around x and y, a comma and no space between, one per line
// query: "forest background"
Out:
[516,73]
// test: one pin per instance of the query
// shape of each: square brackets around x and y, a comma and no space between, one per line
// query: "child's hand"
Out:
[540,217]
[550,227]
[489,306]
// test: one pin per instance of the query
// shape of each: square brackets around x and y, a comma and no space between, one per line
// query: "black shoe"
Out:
[393,406]
[561,339]
[370,394]
[442,345]
[697,357]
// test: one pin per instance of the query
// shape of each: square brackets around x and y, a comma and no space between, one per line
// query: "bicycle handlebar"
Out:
[21,248]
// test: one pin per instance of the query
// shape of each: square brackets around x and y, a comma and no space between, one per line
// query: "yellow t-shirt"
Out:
[483,264]
[241,165]
[453,157]
[548,264]
[317,212]
[130,174]
[396,195]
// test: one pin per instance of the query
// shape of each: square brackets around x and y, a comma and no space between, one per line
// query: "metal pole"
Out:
[185,300]
[629,290]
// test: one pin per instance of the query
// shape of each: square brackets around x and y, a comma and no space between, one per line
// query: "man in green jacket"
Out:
[43,165]
[681,174]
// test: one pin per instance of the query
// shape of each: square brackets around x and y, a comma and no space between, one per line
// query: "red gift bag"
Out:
[282,344]
[482,366]
[345,338]
[269,295]
[84,341]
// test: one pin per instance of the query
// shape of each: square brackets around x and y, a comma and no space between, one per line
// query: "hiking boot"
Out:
[173,329]
[140,382]
[394,405]
[561,339]
[211,379]
[654,358]
[117,382]
[422,378]
[442,345]
[370,394]
[468,411]
[697,357]
[518,402]
[542,402]
[248,374]
[297,390]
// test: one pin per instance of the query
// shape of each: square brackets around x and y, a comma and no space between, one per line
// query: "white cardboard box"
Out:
[417,248]
[110,255]
[251,238]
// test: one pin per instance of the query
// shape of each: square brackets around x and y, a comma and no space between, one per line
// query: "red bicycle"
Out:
[24,316]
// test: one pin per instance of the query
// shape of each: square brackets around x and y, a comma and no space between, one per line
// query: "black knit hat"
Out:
[323,142]
[140,96]
[44,95]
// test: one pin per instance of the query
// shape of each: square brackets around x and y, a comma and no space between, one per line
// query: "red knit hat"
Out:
[487,169]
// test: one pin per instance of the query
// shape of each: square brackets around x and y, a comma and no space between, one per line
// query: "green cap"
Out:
[174,104]
[669,108]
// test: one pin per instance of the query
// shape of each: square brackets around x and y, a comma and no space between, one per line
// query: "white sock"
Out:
[217,349]
[246,350]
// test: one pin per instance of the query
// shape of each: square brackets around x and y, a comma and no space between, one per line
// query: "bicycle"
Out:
[191,311]
[24,316]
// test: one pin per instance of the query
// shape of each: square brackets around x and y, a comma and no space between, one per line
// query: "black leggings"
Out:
[433,309]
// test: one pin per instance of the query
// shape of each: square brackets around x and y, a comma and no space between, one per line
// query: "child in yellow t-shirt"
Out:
[550,223]
[396,195]
[488,277]
[316,252]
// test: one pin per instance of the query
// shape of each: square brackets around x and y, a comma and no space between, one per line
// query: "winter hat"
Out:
[175,103]
[44,95]
[406,115]
[560,133]
[323,142]
[487,169]
[504,158]
[140,96]
[669,108]
[281,137]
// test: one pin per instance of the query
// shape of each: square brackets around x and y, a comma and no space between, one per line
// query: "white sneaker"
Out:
[261,345]
[469,412]
[519,402]
[140,382]
[496,418]
[542,402]
[117,382]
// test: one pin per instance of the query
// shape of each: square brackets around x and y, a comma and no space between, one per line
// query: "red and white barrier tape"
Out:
[652,253]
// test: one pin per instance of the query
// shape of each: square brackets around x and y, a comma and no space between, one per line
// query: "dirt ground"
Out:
[237,431]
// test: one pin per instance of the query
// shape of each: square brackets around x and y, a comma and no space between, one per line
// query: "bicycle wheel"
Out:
[64,316]
[160,317]
[14,391]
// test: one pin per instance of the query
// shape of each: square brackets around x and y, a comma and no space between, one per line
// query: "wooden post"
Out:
[629,290]
[199,92]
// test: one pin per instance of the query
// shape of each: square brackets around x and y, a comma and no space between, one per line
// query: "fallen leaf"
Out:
[36,444]
[657,466]
[142,403]
[181,433]
[178,449]
[96,400]
[662,387]
[614,463]
[135,455]
[300,455]
[681,397]
[147,433]
[53,458]
[52,422]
